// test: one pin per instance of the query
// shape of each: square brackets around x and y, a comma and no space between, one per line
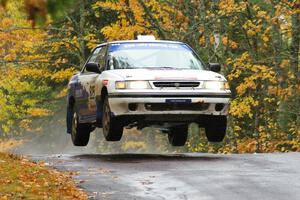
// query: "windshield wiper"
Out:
[167,68]
[159,68]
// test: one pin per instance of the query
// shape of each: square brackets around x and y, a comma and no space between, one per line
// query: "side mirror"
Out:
[92,67]
[215,67]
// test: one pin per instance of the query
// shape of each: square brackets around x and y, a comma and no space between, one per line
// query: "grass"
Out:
[23,179]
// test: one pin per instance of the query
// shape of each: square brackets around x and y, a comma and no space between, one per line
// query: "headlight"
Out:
[216,85]
[132,85]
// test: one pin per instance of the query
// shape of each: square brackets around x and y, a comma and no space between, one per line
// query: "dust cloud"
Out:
[48,136]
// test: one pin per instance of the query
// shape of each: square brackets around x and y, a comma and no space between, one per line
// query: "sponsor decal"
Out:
[147,45]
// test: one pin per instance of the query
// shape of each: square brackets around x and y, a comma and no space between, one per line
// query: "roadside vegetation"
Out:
[22,179]
[257,43]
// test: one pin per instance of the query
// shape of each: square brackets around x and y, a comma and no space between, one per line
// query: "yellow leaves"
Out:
[248,146]
[132,145]
[237,128]
[6,23]
[23,179]
[39,112]
[26,76]
[249,83]
[261,14]
[202,41]
[62,93]
[8,144]
[132,18]
[137,11]
[17,43]
[285,63]
[252,27]
[63,75]
[229,7]
[269,100]
[34,72]
[251,33]
[110,5]
[241,107]
[91,41]
[265,38]
[260,72]
[230,43]
[25,124]
[286,146]
[225,41]
[4,198]
[212,39]
[233,45]
[124,28]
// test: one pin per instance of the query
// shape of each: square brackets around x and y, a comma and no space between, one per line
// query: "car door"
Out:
[100,60]
[86,104]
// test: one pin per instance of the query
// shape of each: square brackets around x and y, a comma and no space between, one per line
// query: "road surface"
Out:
[183,176]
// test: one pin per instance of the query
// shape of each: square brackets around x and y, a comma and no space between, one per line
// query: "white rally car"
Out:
[146,82]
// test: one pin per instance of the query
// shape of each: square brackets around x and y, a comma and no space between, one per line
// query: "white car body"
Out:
[165,97]
[119,99]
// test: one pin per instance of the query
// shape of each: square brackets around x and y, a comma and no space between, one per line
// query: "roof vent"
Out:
[146,37]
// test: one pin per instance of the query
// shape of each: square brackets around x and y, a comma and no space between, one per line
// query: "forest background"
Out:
[257,42]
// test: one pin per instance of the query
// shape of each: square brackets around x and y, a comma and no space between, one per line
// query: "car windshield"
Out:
[153,56]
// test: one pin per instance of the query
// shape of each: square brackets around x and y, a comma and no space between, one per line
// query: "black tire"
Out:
[215,128]
[80,132]
[70,113]
[112,128]
[178,135]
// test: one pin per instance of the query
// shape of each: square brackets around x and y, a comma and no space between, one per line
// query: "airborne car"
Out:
[146,82]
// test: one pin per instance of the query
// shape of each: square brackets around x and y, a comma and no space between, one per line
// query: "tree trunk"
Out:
[295,45]
[81,31]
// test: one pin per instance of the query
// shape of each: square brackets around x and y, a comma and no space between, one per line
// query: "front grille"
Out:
[176,84]
[176,106]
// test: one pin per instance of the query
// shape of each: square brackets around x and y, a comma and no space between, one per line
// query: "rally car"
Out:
[146,82]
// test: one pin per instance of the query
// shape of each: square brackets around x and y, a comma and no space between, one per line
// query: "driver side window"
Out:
[98,57]
[101,58]
[95,55]
[93,58]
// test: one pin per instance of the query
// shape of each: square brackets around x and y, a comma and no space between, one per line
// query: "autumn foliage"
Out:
[257,43]
[22,179]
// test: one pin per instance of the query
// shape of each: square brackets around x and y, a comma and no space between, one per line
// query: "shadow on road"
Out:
[134,157]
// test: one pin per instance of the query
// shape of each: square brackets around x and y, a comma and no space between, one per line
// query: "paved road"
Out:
[184,176]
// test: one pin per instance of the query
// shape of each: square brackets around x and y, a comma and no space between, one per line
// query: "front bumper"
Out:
[159,103]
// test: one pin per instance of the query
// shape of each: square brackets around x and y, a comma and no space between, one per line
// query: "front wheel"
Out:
[112,129]
[178,135]
[215,128]
[80,132]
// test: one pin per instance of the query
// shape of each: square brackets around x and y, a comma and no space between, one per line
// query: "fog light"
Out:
[219,106]
[132,106]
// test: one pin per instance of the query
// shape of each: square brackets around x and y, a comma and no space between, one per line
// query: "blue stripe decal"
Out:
[147,45]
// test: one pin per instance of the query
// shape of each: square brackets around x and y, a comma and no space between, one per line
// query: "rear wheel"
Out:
[215,128]
[80,132]
[112,128]
[178,135]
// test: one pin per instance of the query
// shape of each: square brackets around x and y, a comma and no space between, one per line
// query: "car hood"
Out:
[167,74]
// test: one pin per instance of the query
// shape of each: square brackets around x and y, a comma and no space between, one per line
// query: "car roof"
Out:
[140,41]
